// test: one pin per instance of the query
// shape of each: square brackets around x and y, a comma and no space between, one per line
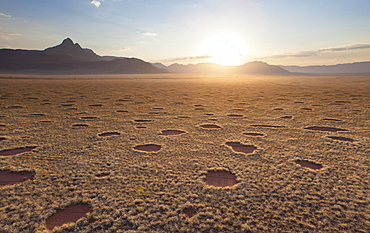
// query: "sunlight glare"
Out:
[225,49]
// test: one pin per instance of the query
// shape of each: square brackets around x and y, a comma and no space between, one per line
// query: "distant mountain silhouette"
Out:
[255,67]
[348,68]
[70,58]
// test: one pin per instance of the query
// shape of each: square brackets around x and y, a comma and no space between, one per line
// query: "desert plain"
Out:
[184,153]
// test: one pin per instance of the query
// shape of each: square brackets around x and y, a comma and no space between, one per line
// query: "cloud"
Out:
[312,53]
[8,35]
[96,3]
[5,15]
[149,34]
[122,49]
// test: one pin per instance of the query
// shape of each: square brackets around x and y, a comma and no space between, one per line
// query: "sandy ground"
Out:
[100,142]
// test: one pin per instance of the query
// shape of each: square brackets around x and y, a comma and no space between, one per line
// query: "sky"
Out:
[228,32]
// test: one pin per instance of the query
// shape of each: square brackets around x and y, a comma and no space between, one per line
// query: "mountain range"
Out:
[347,68]
[70,58]
[256,67]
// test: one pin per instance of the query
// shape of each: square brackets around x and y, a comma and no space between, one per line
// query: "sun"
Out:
[225,49]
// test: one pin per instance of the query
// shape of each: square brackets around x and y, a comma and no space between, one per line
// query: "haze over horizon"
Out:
[223,32]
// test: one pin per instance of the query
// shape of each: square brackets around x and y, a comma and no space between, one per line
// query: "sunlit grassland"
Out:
[134,190]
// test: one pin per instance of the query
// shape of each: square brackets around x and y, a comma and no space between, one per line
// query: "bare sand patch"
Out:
[172,132]
[330,119]
[220,179]
[254,134]
[16,151]
[80,125]
[71,213]
[268,126]
[327,129]
[148,148]
[108,134]
[15,106]
[89,118]
[36,114]
[210,126]
[234,115]
[238,147]
[309,164]
[341,138]
[103,174]
[189,212]
[8,177]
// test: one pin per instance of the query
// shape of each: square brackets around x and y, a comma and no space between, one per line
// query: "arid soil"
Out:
[184,153]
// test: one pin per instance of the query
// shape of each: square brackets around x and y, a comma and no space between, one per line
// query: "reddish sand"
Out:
[107,134]
[329,119]
[70,214]
[148,148]
[189,212]
[80,125]
[220,179]
[234,115]
[172,132]
[10,177]
[268,126]
[16,151]
[89,118]
[14,107]
[141,121]
[342,101]
[207,126]
[341,139]
[238,147]
[254,134]
[309,164]
[103,174]
[328,129]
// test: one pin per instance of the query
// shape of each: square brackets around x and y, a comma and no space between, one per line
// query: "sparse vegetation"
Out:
[91,156]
